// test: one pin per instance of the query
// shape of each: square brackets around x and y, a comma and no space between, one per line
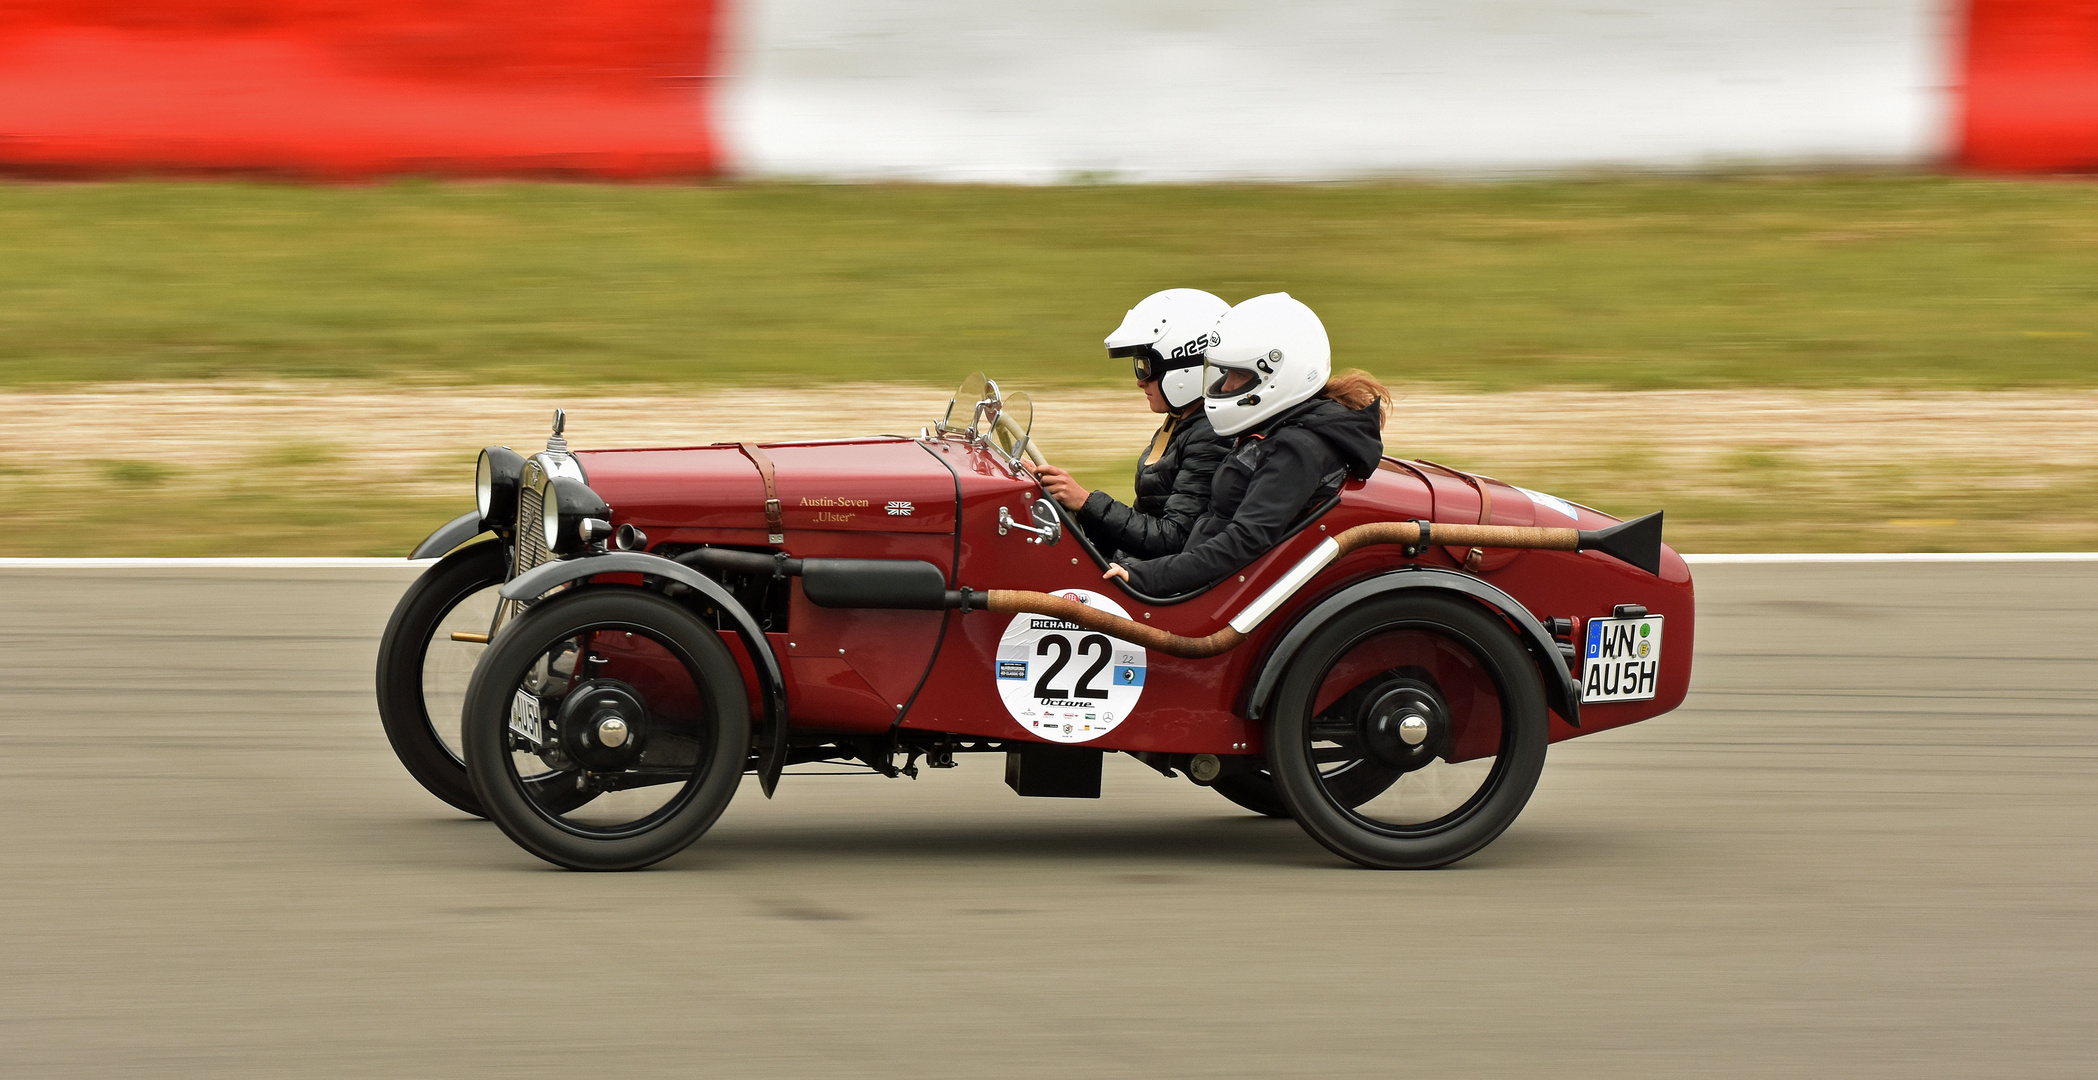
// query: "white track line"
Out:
[210,564]
[387,563]
[1897,557]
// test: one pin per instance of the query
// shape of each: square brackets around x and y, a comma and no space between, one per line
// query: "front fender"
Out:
[772,684]
[1559,689]
[449,535]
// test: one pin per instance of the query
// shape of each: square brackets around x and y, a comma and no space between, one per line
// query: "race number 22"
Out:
[1063,683]
[1094,644]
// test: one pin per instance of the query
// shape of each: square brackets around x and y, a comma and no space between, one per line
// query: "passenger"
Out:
[1166,334]
[1301,432]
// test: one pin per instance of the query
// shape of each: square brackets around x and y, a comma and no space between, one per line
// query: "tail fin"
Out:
[1637,542]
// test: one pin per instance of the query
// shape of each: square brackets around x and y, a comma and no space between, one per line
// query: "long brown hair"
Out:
[1358,389]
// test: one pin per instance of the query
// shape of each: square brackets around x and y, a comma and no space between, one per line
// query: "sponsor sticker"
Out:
[1076,684]
[1557,504]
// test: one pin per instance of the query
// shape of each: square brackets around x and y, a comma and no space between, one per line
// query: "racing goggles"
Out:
[1149,365]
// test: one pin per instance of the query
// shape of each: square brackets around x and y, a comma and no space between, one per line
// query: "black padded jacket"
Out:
[1170,494]
[1264,485]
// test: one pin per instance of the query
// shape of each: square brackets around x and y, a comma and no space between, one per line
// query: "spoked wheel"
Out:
[423,673]
[1431,692]
[630,700]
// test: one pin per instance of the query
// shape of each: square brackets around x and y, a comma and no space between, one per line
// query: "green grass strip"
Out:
[1825,281]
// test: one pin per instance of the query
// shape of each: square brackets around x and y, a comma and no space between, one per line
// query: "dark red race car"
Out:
[645,627]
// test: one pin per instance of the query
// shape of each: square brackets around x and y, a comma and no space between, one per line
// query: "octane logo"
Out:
[900,509]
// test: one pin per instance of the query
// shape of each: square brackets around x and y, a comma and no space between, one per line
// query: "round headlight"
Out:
[496,479]
[564,505]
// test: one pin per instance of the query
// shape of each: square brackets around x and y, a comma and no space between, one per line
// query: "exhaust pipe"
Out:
[914,584]
[1636,542]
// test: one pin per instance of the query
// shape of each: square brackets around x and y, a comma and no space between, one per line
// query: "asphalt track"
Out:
[1867,846]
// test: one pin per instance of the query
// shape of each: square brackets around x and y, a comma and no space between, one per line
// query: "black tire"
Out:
[1473,647]
[1253,790]
[717,736]
[404,651]
[1256,790]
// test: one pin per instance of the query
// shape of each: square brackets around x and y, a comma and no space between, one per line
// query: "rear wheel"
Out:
[1432,692]
[632,702]
[1253,790]
[1352,782]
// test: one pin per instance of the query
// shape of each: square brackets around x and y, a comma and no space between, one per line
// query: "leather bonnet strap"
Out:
[772,515]
[1476,557]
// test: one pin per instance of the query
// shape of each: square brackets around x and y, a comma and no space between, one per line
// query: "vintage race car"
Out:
[646,627]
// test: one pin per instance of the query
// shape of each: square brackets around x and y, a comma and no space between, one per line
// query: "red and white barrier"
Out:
[322,89]
[2029,78]
[1040,90]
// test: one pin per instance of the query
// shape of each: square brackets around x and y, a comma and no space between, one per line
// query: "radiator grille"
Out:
[528,548]
[531,535]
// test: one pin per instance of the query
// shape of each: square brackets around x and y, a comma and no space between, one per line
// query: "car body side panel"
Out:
[847,670]
[1189,706]
[881,485]
[852,669]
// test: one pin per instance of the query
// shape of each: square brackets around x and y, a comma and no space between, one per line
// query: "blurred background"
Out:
[1810,276]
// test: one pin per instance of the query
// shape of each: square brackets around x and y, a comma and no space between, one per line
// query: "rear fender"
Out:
[772,685]
[1559,689]
[449,535]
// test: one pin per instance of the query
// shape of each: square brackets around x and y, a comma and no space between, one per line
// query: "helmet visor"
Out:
[1215,376]
[1144,358]
[1150,365]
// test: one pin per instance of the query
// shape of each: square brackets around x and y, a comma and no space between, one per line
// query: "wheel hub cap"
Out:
[1404,725]
[603,724]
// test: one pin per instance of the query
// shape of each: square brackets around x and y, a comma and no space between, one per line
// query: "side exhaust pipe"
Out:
[1636,542]
[913,584]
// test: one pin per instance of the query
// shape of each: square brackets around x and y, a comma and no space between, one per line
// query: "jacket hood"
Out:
[1354,434]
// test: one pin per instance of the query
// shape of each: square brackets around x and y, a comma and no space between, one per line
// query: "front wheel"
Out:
[630,701]
[423,671]
[1436,693]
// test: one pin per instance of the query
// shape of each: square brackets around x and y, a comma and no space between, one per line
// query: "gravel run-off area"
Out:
[1714,457]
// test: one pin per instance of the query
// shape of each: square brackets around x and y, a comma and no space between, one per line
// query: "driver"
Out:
[1300,433]
[1165,334]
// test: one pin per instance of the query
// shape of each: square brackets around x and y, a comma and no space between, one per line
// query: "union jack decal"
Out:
[900,509]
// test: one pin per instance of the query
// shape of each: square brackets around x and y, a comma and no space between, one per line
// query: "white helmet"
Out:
[1283,344]
[1166,333]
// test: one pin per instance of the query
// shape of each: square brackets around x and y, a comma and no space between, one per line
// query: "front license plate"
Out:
[1622,661]
[524,716]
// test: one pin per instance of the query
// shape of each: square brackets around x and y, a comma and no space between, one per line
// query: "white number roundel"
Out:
[1064,683]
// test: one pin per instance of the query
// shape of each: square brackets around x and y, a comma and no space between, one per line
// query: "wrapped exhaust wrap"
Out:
[1637,542]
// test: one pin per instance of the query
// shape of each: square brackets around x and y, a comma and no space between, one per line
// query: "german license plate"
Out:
[524,715]
[1623,660]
